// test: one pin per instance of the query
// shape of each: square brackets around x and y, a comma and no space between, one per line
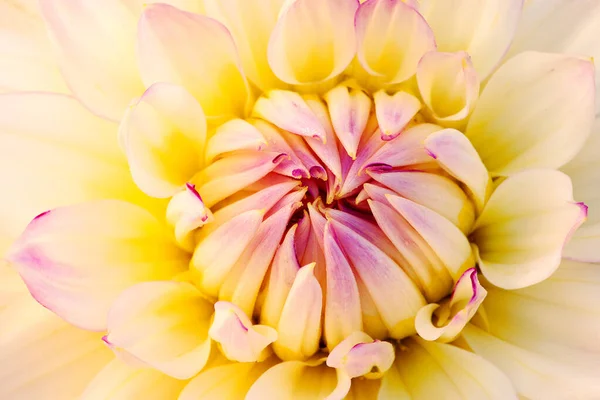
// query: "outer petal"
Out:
[163,324]
[96,49]
[392,36]
[75,260]
[163,135]
[39,352]
[533,375]
[584,171]
[482,28]
[54,152]
[313,40]
[429,370]
[119,381]
[27,59]
[250,23]
[195,52]
[524,226]
[560,26]
[536,111]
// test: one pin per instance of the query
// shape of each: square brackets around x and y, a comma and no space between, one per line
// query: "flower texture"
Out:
[309,199]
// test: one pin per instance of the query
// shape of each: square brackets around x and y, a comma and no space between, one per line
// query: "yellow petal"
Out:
[392,37]
[429,370]
[195,52]
[484,29]
[524,226]
[96,47]
[360,355]
[231,381]
[39,130]
[535,112]
[75,260]
[313,40]
[240,340]
[299,326]
[236,134]
[163,135]
[29,334]
[185,213]
[299,380]
[456,155]
[162,324]
[119,381]
[250,23]
[448,85]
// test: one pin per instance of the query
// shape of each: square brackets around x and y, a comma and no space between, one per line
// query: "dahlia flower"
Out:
[305,199]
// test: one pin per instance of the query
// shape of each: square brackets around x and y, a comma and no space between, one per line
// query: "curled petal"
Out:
[456,155]
[392,37]
[162,324]
[313,40]
[163,135]
[521,232]
[484,29]
[236,134]
[536,111]
[186,212]
[75,260]
[360,355]
[394,112]
[240,340]
[195,52]
[299,325]
[448,84]
[444,322]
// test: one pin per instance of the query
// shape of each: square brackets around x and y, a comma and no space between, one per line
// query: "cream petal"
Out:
[429,370]
[343,313]
[195,52]
[448,85]
[39,352]
[289,111]
[456,155]
[560,26]
[240,340]
[299,327]
[445,239]
[27,60]
[349,112]
[236,134]
[185,213]
[536,111]
[162,324]
[96,52]
[524,226]
[392,37]
[534,375]
[584,171]
[444,322]
[195,6]
[313,40]
[483,29]
[395,111]
[119,381]
[54,152]
[75,260]
[299,380]
[250,23]
[231,381]
[217,253]
[163,136]
[360,355]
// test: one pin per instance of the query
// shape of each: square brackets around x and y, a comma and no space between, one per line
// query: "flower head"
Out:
[322,199]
